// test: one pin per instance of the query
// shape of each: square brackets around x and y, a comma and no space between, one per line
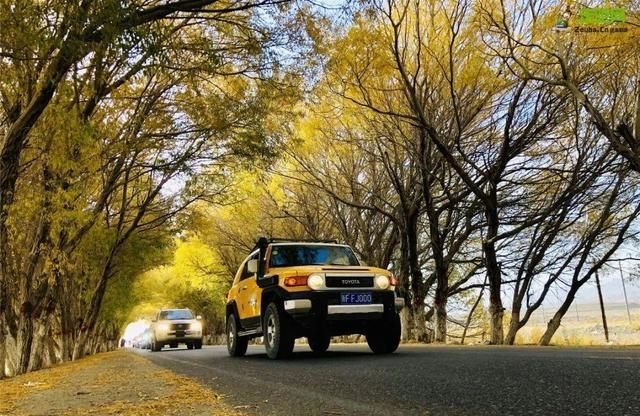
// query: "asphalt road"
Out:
[419,380]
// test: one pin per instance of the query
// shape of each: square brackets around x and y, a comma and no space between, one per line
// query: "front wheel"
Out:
[384,338]
[155,346]
[236,345]
[278,337]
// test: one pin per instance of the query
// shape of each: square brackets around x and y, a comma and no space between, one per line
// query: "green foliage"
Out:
[116,120]
[140,254]
[194,278]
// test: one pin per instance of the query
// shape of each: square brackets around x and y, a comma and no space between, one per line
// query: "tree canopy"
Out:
[145,145]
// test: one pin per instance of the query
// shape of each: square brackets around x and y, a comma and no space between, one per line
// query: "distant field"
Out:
[582,325]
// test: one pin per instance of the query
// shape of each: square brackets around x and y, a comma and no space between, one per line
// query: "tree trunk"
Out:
[40,340]
[91,317]
[440,275]
[3,346]
[418,286]
[67,333]
[514,327]
[6,197]
[494,274]
[420,326]
[12,356]
[436,239]
[554,323]
[441,317]
[96,340]
[405,319]
[26,337]
[470,316]
[497,315]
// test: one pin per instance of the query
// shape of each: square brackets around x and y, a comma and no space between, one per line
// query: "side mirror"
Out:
[198,317]
[252,266]
[154,320]
[390,266]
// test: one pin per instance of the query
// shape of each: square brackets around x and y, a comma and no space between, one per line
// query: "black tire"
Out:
[189,346]
[236,345]
[278,337]
[197,345]
[384,337]
[155,346]
[319,342]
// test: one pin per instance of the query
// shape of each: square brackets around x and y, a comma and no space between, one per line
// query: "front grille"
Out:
[180,327]
[349,281]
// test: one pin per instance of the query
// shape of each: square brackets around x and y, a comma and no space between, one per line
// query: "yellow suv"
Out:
[315,289]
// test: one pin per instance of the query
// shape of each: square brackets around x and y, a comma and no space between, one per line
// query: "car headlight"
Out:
[163,327]
[382,281]
[315,281]
[196,326]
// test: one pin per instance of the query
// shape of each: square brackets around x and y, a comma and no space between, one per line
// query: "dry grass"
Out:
[185,397]
[116,383]
[587,332]
[16,388]
[584,329]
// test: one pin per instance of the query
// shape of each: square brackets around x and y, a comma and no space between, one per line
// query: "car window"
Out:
[176,314]
[298,255]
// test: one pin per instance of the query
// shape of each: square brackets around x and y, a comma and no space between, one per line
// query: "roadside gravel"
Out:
[114,383]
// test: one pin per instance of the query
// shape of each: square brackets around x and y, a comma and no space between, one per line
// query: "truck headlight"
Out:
[315,281]
[382,281]
[163,327]
[196,326]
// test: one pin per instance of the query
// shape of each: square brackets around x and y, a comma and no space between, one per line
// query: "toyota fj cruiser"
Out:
[315,289]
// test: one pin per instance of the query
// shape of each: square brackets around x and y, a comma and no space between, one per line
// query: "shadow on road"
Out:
[325,356]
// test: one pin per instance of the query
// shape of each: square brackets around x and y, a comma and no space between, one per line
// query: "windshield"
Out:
[299,255]
[176,314]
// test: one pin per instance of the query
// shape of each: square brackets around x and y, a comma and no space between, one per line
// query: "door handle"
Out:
[243,288]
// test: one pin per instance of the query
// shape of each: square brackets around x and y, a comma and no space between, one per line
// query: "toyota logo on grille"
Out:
[350,281]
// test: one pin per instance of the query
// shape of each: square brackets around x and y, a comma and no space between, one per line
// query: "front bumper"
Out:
[171,336]
[319,302]
[327,305]
[323,310]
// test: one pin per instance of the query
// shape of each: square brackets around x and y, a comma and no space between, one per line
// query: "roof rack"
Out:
[278,240]
[264,241]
